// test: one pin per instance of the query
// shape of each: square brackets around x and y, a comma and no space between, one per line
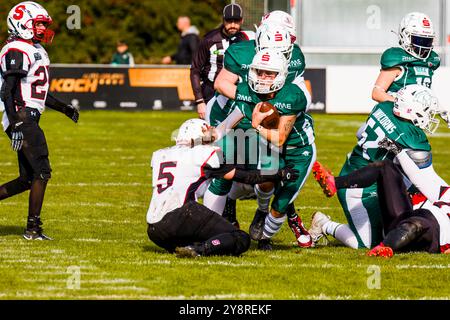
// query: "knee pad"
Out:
[242,241]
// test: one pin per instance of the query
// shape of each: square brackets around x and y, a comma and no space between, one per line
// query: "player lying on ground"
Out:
[406,121]
[176,222]
[410,222]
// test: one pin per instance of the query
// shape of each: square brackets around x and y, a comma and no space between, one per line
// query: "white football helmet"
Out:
[416,35]
[270,36]
[192,132]
[419,105]
[268,60]
[282,18]
[22,18]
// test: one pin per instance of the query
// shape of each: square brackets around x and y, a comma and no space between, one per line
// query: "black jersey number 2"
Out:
[168,176]
[35,93]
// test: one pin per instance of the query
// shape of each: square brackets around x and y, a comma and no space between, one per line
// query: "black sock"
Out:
[36,200]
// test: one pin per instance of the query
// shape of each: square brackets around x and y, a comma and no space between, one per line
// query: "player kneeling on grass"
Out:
[410,223]
[176,221]
[24,92]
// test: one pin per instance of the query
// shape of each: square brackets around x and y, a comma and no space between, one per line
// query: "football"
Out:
[271,121]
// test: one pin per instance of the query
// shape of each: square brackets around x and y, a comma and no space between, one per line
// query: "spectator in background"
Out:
[208,60]
[122,55]
[188,44]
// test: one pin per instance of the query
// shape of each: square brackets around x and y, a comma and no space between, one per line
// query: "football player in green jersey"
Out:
[414,62]
[403,121]
[295,136]
[277,30]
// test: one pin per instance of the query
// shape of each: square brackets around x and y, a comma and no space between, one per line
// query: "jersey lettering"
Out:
[36,92]
[163,174]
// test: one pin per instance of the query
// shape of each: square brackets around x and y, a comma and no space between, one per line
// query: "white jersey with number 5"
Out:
[32,63]
[177,174]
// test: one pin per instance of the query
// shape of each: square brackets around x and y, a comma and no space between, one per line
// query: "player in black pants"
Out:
[24,92]
[405,229]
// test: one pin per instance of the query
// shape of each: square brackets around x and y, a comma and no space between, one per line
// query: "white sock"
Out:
[214,202]
[272,225]
[263,198]
[341,232]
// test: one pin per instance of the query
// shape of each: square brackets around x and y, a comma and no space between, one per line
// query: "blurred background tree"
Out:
[149,27]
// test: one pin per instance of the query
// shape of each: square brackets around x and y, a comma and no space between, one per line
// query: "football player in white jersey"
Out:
[176,221]
[24,69]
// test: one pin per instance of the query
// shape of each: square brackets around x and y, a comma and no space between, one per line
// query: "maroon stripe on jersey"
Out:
[190,192]
[444,189]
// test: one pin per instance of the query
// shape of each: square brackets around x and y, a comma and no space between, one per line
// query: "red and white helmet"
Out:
[22,19]
[282,18]
[270,36]
[416,35]
[267,60]
[419,105]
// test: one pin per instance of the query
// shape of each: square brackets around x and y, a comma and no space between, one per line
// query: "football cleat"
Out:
[265,245]
[187,252]
[325,179]
[35,235]
[381,251]
[257,225]
[318,220]
[302,235]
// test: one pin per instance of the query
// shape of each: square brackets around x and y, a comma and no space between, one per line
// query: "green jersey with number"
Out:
[413,70]
[239,56]
[290,100]
[383,123]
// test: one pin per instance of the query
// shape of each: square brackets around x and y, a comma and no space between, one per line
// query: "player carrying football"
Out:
[24,92]
[294,136]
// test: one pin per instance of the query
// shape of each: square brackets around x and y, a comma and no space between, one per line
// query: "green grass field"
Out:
[95,209]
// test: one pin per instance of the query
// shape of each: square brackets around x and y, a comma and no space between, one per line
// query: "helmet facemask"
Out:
[267,72]
[416,35]
[47,35]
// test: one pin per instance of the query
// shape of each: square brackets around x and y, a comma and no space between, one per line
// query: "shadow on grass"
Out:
[153,249]
[11,230]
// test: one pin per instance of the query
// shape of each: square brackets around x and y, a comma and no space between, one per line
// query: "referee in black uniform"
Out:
[208,60]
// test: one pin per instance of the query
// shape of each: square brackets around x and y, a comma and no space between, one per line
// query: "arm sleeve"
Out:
[15,62]
[240,175]
[426,180]
[229,122]
[9,86]
[199,60]
[193,44]
[55,104]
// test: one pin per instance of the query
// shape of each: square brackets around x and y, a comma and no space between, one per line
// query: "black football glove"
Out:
[390,145]
[72,113]
[16,136]
[288,174]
